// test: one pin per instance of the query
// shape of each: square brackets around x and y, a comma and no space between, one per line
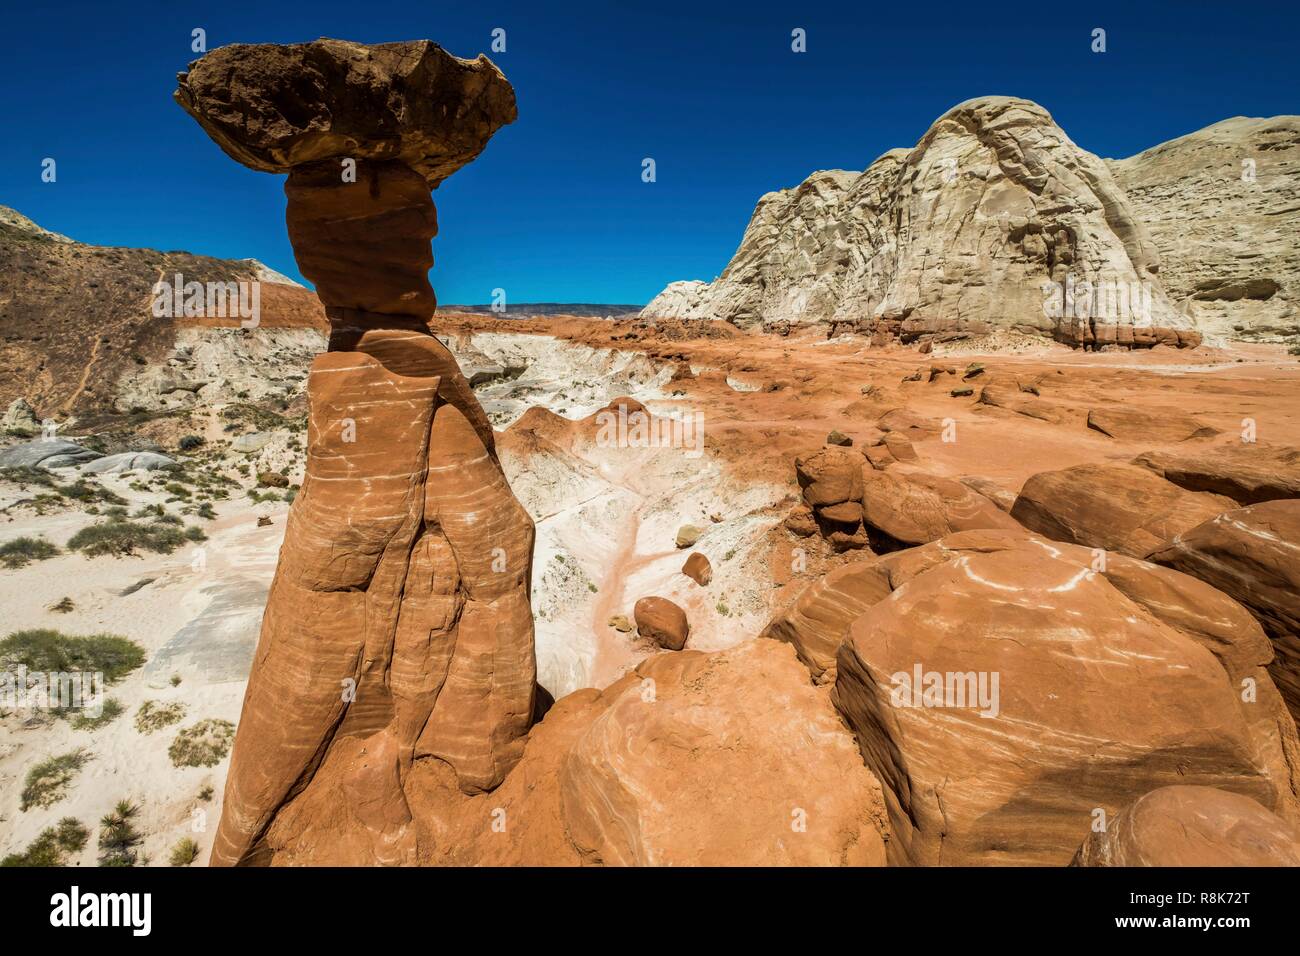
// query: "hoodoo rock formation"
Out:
[994,221]
[398,625]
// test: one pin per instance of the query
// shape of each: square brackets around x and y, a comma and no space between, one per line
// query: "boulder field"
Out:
[1014,615]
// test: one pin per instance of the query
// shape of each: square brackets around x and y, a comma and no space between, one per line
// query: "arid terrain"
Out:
[861,554]
[607,517]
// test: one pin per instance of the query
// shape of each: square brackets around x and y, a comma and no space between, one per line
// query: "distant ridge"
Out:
[521,309]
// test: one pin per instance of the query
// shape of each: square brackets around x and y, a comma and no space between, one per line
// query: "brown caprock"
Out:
[398,627]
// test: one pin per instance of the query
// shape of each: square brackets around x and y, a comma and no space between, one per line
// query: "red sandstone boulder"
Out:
[1254,555]
[1147,424]
[991,490]
[1247,472]
[816,622]
[1010,397]
[679,763]
[660,620]
[698,569]
[1114,507]
[830,476]
[908,424]
[1004,690]
[900,449]
[800,521]
[1192,826]
[916,508]
[274,107]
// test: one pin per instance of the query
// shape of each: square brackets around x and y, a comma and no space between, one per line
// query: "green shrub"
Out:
[28,475]
[154,715]
[52,847]
[118,837]
[184,853]
[48,781]
[45,649]
[120,538]
[109,712]
[81,490]
[203,744]
[21,552]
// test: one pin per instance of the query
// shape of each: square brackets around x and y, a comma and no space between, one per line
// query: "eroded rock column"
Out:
[398,626]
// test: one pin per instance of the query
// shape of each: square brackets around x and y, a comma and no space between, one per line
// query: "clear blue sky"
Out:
[555,209]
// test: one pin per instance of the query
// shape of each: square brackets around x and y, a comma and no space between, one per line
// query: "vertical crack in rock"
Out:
[398,625]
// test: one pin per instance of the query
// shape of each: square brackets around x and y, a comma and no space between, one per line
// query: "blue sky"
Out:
[555,209]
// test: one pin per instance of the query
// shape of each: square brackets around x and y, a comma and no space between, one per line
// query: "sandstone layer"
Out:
[1061,689]
[398,627]
[679,762]
[1253,554]
[1192,826]
[1219,205]
[994,221]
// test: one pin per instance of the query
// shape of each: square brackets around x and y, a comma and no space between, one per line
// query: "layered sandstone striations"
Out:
[398,626]
[1253,554]
[1220,206]
[1003,687]
[1192,826]
[994,221]
[729,758]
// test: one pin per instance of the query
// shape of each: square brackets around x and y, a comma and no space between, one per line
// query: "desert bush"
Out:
[25,475]
[63,606]
[21,552]
[189,442]
[203,744]
[110,711]
[177,489]
[120,538]
[155,715]
[83,491]
[184,853]
[53,845]
[45,649]
[48,781]
[270,479]
[118,837]
[205,511]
